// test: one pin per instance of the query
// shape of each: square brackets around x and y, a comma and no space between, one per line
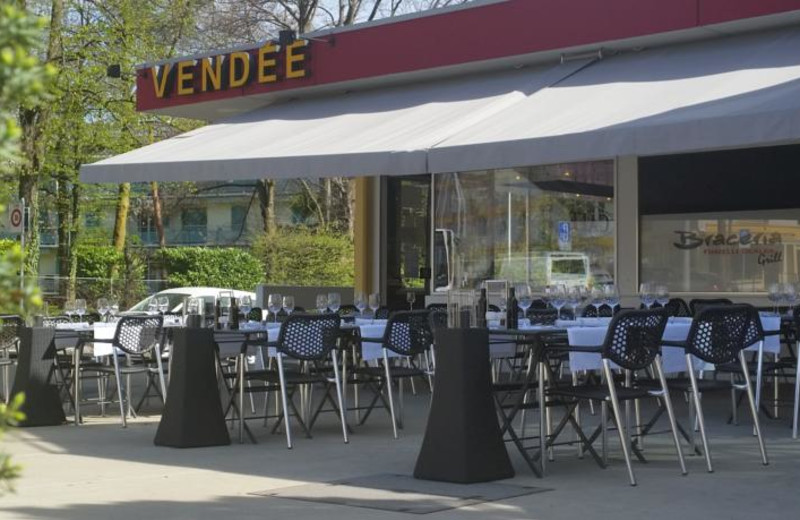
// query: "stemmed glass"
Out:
[69,309]
[360,302]
[596,299]
[374,304]
[790,295]
[774,295]
[322,303]
[102,308]
[559,299]
[411,297]
[334,301]
[288,305]
[113,308]
[611,296]
[646,294]
[163,304]
[152,305]
[80,309]
[524,298]
[274,304]
[662,295]
[574,297]
[246,305]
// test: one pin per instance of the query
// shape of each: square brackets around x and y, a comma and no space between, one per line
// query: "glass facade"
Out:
[720,222]
[543,225]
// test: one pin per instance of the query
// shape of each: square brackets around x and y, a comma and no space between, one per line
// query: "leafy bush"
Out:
[104,271]
[212,267]
[299,256]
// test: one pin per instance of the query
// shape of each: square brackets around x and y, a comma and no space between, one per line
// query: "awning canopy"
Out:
[381,132]
[729,92]
[724,93]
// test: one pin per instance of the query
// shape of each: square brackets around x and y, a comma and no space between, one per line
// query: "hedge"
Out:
[228,268]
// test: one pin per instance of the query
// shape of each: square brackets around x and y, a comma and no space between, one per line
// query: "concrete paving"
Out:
[101,471]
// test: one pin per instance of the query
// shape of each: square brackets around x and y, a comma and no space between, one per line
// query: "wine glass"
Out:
[547,295]
[524,297]
[596,298]
[69,309]
[646,294]
[374,304]
[163,304]
[334,301]
[360,302]
[662,295]
[611,296]
[274,304]
[411,297]
[574,299]
[288,305]
[774,295]
[322,303]
[790,295]
[113,307]
[245,305]
[102,308]
[152,304]
[559,299]
[80,309]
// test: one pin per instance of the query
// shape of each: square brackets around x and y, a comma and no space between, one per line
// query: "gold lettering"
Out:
[185,74]
[160,81]
[292,58]
[211,72]
[238,80]
[266,65]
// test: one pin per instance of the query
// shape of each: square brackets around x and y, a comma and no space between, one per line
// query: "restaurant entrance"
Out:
[406,239]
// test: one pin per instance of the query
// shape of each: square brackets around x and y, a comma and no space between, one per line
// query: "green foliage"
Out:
[10,415]
[23,80]
[199,266]
[300,256]
[104,271]
[11,294]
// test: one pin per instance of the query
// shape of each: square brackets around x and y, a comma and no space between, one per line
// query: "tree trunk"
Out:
[266,202]
[121,220]
[328,201]
[71,258]
[351,207]
[157,215]
[64,212]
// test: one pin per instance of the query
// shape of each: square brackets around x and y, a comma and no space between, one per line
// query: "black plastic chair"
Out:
[542,316]
[256,314]
[698,304]
[633,343]
[10,329]
[719,335]
[139,338]
[591,312]
[382,313]
[408,334]
[676,307]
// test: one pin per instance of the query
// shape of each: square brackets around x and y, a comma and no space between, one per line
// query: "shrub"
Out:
[212,267]
[104,271]
[299,256]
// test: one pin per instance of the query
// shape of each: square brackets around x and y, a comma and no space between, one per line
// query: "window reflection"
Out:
[543,225]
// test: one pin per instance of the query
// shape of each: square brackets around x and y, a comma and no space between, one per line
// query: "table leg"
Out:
[76,377]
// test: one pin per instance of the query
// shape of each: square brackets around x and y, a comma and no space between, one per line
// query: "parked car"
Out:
[179,294]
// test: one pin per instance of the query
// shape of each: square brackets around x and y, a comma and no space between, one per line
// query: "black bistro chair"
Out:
[139,339]
[719,335]
[698,304]
[10,329]
[407,334]
[633,343]
[676,307]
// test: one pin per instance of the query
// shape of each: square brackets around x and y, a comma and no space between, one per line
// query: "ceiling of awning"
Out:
[380,132]
[725,93]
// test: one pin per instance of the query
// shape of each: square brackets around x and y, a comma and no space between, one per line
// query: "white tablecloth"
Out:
[673,358]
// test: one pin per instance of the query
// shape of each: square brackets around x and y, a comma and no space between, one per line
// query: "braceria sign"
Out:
[267,64]
[768,246]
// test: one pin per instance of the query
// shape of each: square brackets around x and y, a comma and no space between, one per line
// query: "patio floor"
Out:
[102,471]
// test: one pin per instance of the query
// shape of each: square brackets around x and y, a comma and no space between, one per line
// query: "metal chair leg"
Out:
[161,379]
[699,410]
[670,413]
[623,433]
[240,373]
[388,387]
[759,377]
[119,389]
[339,395]
[284,402]
[753,408]
[796,395]
[604,431]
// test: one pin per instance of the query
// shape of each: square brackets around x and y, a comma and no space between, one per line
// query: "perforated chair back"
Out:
[678,307]
[408,332]
[10,329]
[437,307]
[634,337]
[348,311]
[309,336]
[543,316]
[438,319]
[718,332]
[382,313]
[698,304]
[755,331]
[138,335]
[590,312]
[255,314]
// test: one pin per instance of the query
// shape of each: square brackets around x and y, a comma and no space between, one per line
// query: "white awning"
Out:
[730,92]
[380,132]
